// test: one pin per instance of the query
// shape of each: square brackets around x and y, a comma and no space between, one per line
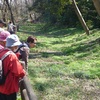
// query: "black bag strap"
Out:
[20,48]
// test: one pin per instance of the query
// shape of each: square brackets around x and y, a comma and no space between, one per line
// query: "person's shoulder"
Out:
[8,52]
[23,46]
[11,53]
[13,56]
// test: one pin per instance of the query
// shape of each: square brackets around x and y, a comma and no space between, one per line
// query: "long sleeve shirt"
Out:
[16,71]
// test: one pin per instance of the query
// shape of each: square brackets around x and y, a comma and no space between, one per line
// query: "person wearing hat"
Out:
[24,49]
[13,42]
[2,24]
[3,37]
[11,64]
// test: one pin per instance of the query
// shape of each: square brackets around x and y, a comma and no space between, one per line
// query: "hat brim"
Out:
[13,44]
[16,44]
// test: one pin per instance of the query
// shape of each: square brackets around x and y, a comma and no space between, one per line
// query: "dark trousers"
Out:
[12,96]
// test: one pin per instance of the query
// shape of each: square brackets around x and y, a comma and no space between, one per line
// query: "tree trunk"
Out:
[10,10]
[97,5]
[31,17]
[80,17]
[4,11]
[4,14]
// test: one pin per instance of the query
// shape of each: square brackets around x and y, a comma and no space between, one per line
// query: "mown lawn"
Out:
[65,64]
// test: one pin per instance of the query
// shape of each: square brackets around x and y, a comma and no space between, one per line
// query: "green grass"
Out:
[65,64]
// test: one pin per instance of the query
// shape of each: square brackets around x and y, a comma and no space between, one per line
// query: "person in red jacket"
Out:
[8,91]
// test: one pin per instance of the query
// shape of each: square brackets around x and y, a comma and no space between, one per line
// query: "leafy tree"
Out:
[62,12]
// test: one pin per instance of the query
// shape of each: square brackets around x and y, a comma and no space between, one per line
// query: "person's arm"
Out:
[15,66]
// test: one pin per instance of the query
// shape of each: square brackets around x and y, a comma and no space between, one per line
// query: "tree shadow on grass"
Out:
[56,33]
[79,48]
[45,54]
[82,48]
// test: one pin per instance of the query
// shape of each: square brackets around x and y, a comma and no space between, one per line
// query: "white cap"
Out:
[12,41]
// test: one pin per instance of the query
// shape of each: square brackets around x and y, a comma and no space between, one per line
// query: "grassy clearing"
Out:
[65,64]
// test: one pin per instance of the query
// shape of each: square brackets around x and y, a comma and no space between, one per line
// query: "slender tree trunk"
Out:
[97,5]
[4,14]
[80,17]
[4,11]
[31,17]
[10,10]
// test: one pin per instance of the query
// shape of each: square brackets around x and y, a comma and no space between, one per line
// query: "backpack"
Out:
[2,76]
[23,45]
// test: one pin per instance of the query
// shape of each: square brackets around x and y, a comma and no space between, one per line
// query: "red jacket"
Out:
[11,63]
